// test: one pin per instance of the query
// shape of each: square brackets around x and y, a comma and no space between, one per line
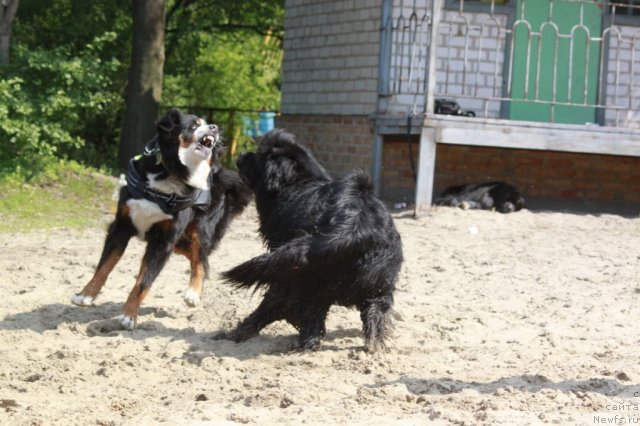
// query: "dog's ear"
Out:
[170,121]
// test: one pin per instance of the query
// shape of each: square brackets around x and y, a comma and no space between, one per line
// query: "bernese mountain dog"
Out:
[177,198]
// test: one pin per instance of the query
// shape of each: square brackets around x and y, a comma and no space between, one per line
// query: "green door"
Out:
[578,59]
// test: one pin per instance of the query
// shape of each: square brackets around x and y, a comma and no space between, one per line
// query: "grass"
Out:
[66,195]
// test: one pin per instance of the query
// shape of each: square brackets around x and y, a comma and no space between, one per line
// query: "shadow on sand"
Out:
[531,383]
[101,321]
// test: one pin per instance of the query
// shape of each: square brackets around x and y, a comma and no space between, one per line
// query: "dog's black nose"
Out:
[213,127]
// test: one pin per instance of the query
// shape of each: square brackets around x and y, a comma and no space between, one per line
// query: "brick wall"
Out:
[330,63]
[623,73]
[538,174]
[340,142]
[483,36]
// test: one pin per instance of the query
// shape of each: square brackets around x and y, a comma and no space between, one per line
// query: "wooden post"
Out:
[232,136]
[384,63]
[426,169]
[427,158]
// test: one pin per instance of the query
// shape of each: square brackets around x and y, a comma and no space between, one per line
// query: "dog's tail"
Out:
[302,257]
[281,264]
[287,261]
[348,235]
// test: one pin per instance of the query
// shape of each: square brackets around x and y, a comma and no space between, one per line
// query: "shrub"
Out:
[48,100]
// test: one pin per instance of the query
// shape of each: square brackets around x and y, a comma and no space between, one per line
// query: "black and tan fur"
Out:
[184,160]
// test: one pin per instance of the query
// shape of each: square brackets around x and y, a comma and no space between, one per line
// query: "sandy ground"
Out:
[527,318]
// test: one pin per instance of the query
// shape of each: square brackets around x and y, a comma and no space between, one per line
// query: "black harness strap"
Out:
[138,187]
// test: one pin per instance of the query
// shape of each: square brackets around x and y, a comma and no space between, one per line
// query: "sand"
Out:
[526,318]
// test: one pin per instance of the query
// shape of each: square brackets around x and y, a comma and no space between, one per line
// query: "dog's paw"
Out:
[232,335]
[376,345]
[307,345]
[235,335]
[191,297]
[82,300]
[129,323]
[221,335]
[170,121]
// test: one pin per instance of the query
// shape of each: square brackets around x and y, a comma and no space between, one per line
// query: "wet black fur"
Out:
[329,241]
[501,196]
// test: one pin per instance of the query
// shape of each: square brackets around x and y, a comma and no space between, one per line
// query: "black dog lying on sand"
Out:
[501,196]
[330,242]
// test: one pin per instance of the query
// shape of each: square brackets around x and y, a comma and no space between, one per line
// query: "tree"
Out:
[226,59]
[8,9]
[144,88]
[256,23]
[73,60]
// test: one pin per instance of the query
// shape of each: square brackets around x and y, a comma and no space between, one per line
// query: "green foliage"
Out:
[228,58]
[49,24]
[62,95]
[47,100]
[227,72]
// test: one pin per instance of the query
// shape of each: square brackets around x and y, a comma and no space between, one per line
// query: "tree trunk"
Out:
[8,9]
[144,88]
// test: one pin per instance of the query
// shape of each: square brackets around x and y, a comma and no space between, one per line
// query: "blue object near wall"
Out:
[250,127]
[266,122]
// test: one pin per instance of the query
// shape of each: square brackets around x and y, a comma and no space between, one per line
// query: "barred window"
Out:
[623,12]
[481,5]
[625,7]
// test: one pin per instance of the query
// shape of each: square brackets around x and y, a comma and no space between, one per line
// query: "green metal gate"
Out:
[556,62]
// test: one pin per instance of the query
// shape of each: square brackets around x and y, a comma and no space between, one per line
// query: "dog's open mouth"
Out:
[207,141]
[205,144]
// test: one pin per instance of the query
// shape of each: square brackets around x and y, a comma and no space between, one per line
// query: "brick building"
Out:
[330,79]
[354,71]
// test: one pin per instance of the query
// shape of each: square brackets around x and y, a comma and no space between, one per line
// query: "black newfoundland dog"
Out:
[329,241]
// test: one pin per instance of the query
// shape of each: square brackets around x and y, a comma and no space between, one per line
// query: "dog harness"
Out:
[139,187]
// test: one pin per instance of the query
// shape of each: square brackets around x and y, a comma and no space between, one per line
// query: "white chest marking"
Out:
[197,165]
[144,214]
[200,176]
